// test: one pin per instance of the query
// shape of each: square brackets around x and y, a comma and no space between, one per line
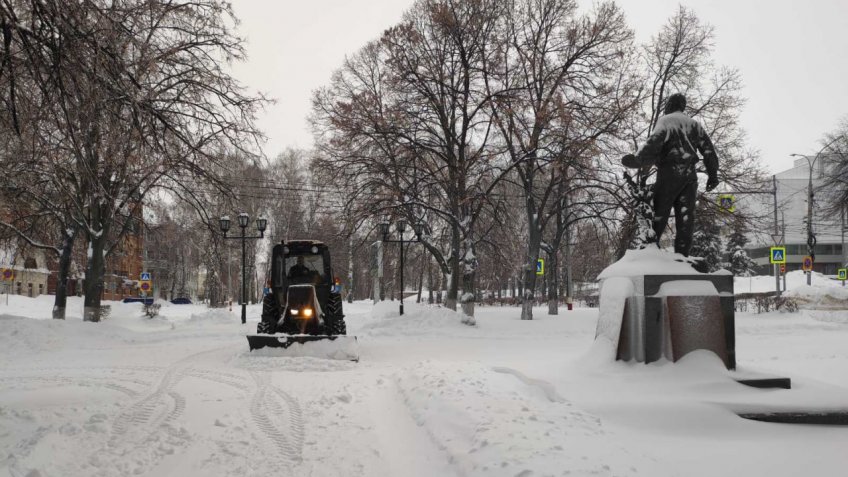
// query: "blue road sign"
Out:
[145,277]
[778,255]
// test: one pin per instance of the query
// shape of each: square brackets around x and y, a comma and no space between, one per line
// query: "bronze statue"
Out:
[673,147]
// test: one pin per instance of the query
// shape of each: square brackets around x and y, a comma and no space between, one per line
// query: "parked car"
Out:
[138,299]
[181,301]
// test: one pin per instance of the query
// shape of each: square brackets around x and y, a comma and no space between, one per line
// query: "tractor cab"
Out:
[304,296]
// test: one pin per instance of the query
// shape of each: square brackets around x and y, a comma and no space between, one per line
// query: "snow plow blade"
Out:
[317,346]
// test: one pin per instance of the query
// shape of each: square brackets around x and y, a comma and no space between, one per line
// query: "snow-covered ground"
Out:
[181,395]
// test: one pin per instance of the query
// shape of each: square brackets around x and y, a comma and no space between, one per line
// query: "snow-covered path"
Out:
[181,395]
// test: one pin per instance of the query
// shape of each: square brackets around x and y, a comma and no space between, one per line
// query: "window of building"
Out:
[30,263]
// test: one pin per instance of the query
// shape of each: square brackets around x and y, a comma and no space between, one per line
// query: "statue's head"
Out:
[674,103]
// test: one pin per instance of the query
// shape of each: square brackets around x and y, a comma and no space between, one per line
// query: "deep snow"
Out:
[181,395]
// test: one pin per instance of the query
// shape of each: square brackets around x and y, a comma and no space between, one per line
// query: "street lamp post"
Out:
[243,222]
[418,228]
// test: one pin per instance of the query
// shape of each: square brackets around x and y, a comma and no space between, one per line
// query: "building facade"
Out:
[793,191]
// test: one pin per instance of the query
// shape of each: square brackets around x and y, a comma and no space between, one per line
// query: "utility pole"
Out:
[811,241]
[842,255]
[776,234]
[783,240]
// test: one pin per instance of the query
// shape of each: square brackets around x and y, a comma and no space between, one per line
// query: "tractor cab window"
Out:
[305,269]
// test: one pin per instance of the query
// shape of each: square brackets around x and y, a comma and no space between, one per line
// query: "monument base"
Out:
[653,316]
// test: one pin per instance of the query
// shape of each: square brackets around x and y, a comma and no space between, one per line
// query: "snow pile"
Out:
[649,261]
[614,292]
[794,279]
[215,316]
[417,320]
[821,297]
[24,335]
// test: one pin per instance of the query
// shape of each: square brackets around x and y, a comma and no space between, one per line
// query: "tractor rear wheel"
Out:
[335,317]
[270,315]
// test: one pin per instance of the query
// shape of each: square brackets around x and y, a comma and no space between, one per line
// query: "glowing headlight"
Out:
[307,312]
[294,311]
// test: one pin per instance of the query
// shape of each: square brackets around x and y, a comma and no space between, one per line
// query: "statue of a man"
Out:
[673,147]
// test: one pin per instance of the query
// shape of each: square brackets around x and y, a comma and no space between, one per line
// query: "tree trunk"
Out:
[94,272]
[350,269]
[420,279]
[467,299]
[429,281]
[455,270]
[529,285]
[61,301]
[552,273]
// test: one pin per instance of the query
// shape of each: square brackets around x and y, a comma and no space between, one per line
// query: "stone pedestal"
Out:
[667,316]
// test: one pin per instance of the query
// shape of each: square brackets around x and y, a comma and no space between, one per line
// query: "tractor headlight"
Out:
[294,311]
[307,312]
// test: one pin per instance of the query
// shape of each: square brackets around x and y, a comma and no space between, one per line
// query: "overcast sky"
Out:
[793,56]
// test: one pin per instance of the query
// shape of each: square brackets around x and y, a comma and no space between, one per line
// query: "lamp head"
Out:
[224,223]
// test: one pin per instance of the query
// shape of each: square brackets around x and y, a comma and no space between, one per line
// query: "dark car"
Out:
[181,301]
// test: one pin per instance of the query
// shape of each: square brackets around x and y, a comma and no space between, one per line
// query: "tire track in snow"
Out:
[295,420]
[268,409]
[228,379]
[142,412]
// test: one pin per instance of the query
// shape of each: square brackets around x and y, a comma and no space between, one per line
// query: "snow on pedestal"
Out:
[654,305]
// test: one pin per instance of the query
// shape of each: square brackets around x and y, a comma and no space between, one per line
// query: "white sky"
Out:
[793,56]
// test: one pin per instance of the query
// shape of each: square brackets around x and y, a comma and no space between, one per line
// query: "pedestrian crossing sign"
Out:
[778,255]
[145,276]
[843,274]
[726,203]
[540,266]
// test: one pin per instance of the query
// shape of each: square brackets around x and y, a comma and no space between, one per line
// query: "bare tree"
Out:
[835,156]
[139,100]
[566,87]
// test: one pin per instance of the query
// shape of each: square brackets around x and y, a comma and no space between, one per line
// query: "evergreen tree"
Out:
[706,241]
[706,244]
[738,260]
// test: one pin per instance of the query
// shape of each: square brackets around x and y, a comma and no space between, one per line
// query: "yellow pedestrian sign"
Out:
[540,266]
[777,255]
[843,274]
[726,202]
